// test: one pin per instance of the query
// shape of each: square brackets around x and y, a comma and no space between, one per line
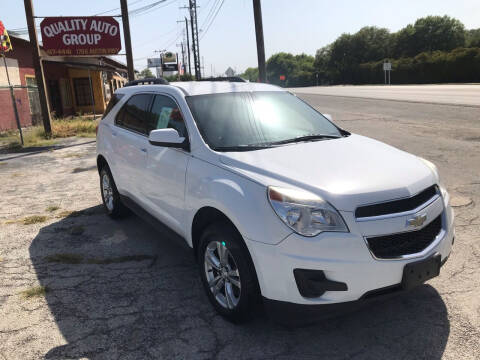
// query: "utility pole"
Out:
[128,40]
[195,45]
[183,57]
[257,11]
[38,66]
[188,47]
[188,44]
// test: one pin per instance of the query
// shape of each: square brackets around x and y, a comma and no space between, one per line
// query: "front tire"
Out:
[110,196]
[227,272]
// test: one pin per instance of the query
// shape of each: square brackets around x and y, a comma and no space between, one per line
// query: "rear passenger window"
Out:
[166,114]
[134,113]
[113,101]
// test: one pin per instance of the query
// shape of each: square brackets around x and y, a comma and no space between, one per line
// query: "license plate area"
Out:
[416,273]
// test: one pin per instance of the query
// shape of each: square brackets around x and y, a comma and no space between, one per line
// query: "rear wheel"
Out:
[227,273]
[110,196]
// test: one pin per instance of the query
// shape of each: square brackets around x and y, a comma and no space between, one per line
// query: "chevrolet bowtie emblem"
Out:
[417,220]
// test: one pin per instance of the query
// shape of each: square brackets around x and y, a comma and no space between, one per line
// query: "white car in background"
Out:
[278,203]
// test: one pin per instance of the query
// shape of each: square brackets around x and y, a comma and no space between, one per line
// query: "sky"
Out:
[295,26]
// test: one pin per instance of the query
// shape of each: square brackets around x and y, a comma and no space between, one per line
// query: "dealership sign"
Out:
[73,36]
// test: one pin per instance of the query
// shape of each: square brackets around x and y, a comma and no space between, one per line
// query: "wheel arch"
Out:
[208,215]
[101,162]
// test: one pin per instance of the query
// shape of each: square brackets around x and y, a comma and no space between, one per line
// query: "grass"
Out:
[77,126]
[52,208]
[34,292]
[61,128]
[34,219]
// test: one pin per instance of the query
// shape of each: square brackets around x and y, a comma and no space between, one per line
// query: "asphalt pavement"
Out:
[454,94]
[76,284]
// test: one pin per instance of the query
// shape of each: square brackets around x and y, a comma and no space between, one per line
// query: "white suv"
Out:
[278,203]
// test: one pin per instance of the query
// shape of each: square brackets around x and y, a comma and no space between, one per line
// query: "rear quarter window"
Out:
[113,101]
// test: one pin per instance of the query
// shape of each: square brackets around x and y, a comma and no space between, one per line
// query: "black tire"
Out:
[116,209]
[249,293]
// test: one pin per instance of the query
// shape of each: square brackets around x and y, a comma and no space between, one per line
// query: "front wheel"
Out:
[227,272]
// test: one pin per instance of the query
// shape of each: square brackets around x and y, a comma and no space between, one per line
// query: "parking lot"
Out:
[76,284]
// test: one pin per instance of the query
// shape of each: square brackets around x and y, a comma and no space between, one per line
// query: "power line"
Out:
[146,9]
[104,12]
[210,13]
[213,19]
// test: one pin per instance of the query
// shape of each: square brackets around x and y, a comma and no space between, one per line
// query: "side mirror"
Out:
[168,138]
[328,116]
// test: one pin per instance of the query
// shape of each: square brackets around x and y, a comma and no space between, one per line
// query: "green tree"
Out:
[251,74]
[472,38]
[434,33]
[146,73]
[298,70]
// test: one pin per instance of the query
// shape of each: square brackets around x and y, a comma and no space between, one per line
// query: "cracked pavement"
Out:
[129,292]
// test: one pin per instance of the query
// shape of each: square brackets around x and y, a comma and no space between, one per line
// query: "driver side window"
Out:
[166,114]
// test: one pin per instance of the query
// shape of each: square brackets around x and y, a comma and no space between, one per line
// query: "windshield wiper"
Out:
[305,138]
[247,147]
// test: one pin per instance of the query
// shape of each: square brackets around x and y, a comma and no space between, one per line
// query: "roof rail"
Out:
[148,81]
[225,78]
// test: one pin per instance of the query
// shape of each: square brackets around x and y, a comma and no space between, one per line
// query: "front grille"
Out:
[412,242]
[396,206]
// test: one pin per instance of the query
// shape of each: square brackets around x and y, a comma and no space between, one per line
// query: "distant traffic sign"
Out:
[282,77]
[387,66]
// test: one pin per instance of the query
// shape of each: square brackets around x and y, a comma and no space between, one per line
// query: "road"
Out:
[455,94]
[129,292]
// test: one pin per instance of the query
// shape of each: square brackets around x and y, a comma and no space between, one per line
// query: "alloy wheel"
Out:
[107,191]
[222,274]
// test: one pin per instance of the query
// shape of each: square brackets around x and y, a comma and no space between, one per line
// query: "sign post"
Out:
[6,45]
[37,64]
[387,67]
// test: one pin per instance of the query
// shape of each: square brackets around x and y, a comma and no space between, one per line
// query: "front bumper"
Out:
[343,257]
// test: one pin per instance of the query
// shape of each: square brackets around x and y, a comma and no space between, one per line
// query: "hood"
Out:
[347,172]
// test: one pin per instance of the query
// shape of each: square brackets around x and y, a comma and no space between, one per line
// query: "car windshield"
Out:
[256,120]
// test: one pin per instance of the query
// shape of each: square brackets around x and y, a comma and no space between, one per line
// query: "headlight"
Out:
[305,213]
[443,190]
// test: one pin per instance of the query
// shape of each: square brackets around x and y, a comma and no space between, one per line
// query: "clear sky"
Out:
[294,26]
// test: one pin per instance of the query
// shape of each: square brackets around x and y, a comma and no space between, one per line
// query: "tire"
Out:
[235,303]
[110,196]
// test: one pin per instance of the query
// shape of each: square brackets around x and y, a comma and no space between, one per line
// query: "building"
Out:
[75,85]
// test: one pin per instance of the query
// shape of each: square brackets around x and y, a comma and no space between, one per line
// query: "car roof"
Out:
[216,87]
[204,87]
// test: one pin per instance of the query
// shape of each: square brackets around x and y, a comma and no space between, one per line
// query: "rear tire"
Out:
[227,272]
[110,195]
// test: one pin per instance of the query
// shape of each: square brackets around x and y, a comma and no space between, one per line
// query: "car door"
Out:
[130,145]
[166,167]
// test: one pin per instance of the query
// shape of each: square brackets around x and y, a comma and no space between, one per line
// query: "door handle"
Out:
[143,150]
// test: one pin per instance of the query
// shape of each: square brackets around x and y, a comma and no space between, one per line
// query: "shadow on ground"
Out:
[119,289]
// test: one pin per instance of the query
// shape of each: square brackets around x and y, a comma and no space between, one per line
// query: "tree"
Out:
[322,60]
[146,73]
[472,38]
[439,33]
[251,74]
[298,70]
